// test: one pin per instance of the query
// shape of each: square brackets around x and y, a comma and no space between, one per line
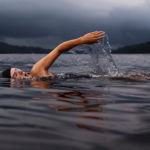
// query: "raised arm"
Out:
[41,67]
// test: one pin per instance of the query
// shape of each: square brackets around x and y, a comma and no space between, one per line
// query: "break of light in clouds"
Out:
[46,23]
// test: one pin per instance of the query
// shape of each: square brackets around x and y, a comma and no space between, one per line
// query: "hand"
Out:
[92,37]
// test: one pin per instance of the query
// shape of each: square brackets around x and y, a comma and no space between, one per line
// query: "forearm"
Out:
[89,38]
[65,46]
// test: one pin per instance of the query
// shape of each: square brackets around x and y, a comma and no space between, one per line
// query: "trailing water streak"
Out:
[102,60]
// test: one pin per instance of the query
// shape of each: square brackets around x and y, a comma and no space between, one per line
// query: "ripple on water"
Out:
[75,113]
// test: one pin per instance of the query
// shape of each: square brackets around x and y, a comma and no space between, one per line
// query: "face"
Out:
[17,73]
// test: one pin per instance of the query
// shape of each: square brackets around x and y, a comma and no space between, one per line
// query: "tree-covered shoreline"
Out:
[5,48]
[143,48]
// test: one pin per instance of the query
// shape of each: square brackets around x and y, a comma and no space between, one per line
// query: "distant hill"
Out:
[7,48]
[134,49]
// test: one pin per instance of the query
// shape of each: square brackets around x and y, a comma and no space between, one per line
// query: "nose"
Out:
[20,72]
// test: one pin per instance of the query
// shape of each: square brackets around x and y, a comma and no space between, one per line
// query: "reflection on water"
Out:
[67,109]
[68,101]
[75,113]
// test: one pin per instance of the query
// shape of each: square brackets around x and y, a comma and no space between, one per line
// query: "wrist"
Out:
[80,40]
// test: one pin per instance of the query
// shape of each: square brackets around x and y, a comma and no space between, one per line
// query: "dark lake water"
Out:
[75,113]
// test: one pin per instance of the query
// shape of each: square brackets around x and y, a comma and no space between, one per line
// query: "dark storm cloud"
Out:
[48,22]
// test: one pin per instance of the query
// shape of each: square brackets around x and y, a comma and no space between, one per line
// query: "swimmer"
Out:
[40,69]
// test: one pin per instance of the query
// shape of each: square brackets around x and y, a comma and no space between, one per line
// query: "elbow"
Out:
[61,48]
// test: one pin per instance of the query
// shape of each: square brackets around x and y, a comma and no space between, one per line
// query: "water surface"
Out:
[75,113]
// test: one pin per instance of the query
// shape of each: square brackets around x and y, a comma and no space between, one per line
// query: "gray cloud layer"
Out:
[46,23]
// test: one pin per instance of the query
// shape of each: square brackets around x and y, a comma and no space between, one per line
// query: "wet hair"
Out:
[6,73]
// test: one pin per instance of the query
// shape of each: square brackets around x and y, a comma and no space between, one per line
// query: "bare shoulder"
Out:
[38,72]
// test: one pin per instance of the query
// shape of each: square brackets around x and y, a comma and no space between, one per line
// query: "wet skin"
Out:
[18,73]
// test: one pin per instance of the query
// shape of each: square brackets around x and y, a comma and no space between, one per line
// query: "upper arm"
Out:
[41,67]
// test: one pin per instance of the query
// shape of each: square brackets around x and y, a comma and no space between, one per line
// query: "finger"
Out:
[99,36]
[98,32]
[95,33]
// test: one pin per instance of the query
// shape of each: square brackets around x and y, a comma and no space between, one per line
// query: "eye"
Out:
[15,75]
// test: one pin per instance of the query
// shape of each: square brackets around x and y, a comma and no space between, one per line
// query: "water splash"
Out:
[102,60]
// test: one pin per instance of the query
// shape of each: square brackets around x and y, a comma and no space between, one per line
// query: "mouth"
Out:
[25,74]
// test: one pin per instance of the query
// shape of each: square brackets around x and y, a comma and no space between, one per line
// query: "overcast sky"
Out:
[46,23]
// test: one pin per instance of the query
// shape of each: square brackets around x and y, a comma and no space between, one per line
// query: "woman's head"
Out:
[14,73]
